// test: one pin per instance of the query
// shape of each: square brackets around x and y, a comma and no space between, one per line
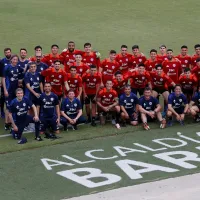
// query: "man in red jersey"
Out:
[137,57]
[184,58]
[57,77]
[90,57]
[196,70]
[107,101]
[69,55]
[38,50]
[139,79]
[160,82]
[80,66]
[75,82]
[91,84]
[196,55]
[188,83]
[108,67]
[172,67]
[162,56]
[119,83]
[152,61]
[124,59]
[54,55]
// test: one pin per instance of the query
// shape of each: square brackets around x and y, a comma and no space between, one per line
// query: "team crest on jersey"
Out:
[67,56]
[167,66]
[186,61]
[94,79]
[180,100]
[120,60]
[92,59]
[143,77]
[150,103]
[125,101]
[174,101]
[44,100]
[84,59]
[38,78]
[104,96]
[17,107]
[110,95]
[144,104]
[12,71]
[134,62]
[41,68]
[140,60]
[88,79]
[31,79]
[132,100]
[190,83]
[174,65]
[24,104]
[75,81]
[113,67]
[52,76]
[51,99]
[60,76]
[126,59]
[75,104]
[67,105]
[161,79]
[81,70]
[50,60]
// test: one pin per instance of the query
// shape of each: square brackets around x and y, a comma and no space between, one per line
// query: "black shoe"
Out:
[93,123]
[74,127]
[38,138]
[7,127]
[88,121]
[65,127]
[123,124]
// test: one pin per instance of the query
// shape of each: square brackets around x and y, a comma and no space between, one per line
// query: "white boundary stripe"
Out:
[181,188]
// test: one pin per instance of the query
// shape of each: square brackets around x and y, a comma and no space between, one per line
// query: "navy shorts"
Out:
[179,110]
[45,122]
[131,116]
[80,120]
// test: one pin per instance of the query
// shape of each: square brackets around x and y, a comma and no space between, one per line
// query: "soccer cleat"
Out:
[169,123]
[93,123]
[197,119]
[65,127]
[74,127]
[123,124]
[146,126]
[88,121]
[163,124]
[117,126]
[22,141]
[182,123]
[38,138]
[7,127]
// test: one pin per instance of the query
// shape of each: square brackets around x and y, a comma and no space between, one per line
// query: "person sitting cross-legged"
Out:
[71,111]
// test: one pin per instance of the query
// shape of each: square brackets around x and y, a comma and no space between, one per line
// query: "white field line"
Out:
[180,188]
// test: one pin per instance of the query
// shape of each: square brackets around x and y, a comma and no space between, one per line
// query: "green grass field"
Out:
[107,25]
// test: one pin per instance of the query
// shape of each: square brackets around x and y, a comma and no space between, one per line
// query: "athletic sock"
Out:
[117,117]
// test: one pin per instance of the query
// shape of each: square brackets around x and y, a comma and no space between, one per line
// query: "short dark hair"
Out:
[184,47]
[127,86]
[54,45]
[198,60]
[124,46]
[87,44]
[55,61]
[153,50]
[46,83]
[147,89]
[37,47]
[77,54]
[158,65]
[73,67]
[118,72]
[31,63]
[135,47]
[196,46]
[187,69]
[70,90]
[71,42]
[113,51]
[13,56]
[93,66]
[141,65]
[169,50]
[23,49]
[7,49]
[177,85]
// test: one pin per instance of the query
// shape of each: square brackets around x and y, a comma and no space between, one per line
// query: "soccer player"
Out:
[129,107]
[194,106]
[4,62]
[68,55]
[139,79]
[184,58]
[57,78]
[90,57]
[124,60]
[71,111]
[137,57]
[196,55]
[38,50]
[107,101]
[19,118]
[160,82]
[150,109]
[33,82]
[54,55]
[196,70]
[119,83]
[49,111]
[10,82]
[188,83]
[177,106]
[162,56]
[40,65]
[75,82]
[108,67]
[80,66]
[151,63]
[91,84]
[172,67]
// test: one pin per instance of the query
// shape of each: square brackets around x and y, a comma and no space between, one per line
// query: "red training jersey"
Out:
[162,57]
[185,61]
[118,86]
[150,64]
[136,60]
[188,82]
[196,71]
[90,82]
[173,69]
[81,69]
[107,97]
[74,83]
[56,78]
[91,59]
[124,62]
[50,58]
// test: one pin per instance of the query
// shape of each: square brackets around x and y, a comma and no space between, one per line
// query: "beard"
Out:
[8,57]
